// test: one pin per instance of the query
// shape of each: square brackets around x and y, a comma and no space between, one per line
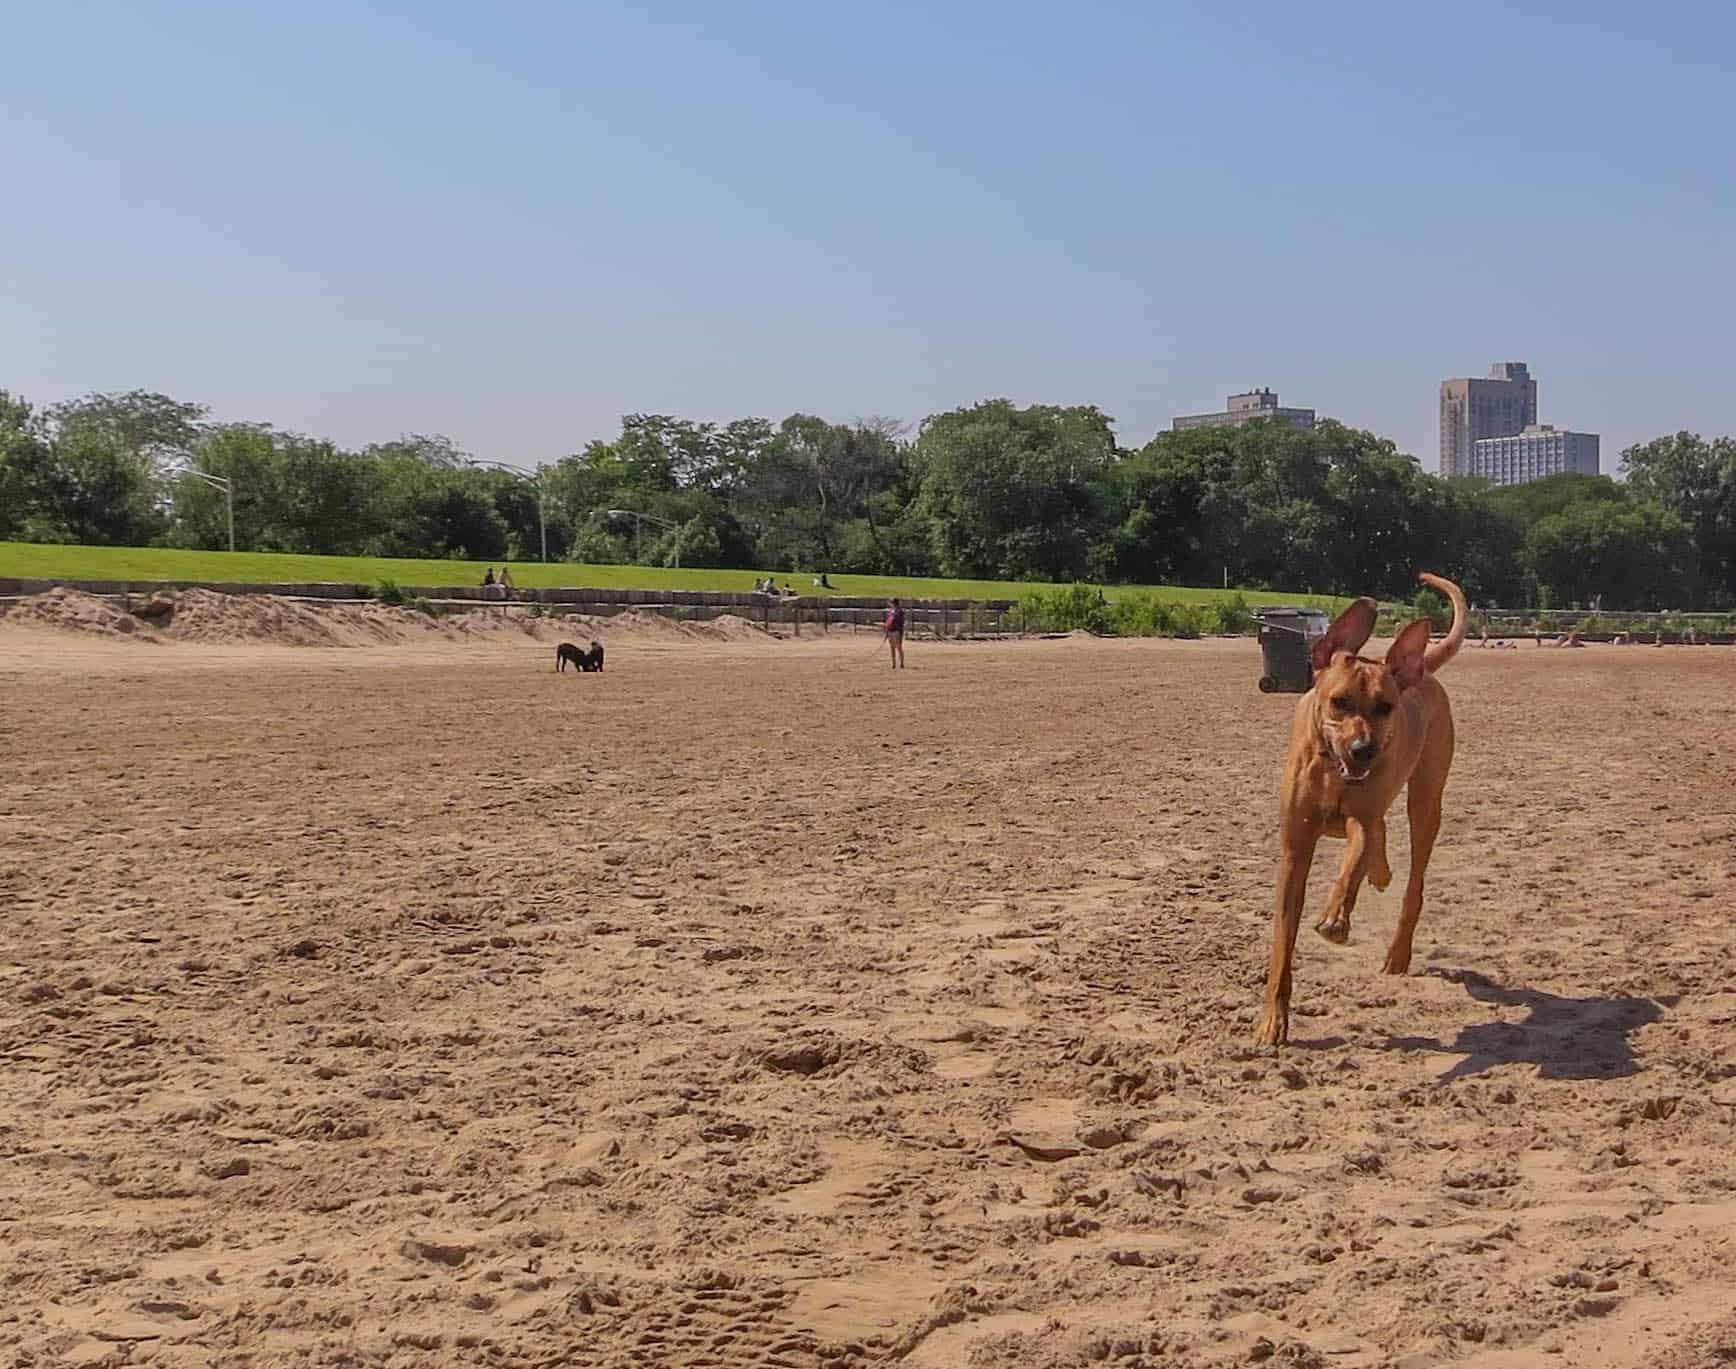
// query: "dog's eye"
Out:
[1382,708]
[1343,704]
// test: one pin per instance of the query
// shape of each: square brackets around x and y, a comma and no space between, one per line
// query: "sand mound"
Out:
[76,612]
[199,615]
[728,627]
[640,625]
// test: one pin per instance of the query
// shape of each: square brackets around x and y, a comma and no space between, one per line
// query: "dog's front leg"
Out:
[1379,872]
[1425,825]
[1334,923]
[1299,840]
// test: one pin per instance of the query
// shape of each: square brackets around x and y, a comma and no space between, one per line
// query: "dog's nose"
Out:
[1361,750]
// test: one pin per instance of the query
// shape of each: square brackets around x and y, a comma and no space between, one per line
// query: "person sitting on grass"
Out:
[488,578]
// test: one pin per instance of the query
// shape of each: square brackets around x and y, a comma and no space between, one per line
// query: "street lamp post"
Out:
[542,526]
[219,482]
[639,518]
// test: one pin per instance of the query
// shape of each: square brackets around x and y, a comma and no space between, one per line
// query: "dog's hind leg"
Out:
[1379,872]
[1423,804]
[1334,923]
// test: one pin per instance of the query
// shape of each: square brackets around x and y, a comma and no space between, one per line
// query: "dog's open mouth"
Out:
[1352,774]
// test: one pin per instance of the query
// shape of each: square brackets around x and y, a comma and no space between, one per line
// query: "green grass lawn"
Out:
[32,561]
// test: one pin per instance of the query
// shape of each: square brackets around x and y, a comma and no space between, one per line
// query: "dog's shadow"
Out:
[1566,1038]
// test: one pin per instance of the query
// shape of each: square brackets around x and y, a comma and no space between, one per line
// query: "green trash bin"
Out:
[1286,637]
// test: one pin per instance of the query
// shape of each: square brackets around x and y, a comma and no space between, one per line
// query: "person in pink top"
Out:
[894,630]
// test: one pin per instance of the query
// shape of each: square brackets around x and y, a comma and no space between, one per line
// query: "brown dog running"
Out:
[1365,730]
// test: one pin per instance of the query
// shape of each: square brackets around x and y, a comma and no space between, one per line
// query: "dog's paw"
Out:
[1274,1028]
[1334,929]
[1397,962]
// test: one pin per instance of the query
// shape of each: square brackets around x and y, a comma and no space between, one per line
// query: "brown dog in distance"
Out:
[1363,732]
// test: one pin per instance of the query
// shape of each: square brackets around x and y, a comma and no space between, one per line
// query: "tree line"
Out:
[992,491]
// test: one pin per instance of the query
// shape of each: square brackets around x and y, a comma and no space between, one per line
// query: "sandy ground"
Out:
[750,1005]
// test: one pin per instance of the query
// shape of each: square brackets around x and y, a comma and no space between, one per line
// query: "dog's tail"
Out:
[1448,647]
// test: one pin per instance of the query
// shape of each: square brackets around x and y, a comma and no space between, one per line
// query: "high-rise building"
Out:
[1538,450]
[1246,408]
[1499,406]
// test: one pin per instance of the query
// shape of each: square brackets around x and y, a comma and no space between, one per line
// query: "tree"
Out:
[1696,480]
[516,500]
[1331,509]
[435,511]
[1535,500]
[95,492]
[1462,531]
[24,456]
[434,449]
[990,490]
[243,454]
[333,501]
[150,429]
[1635,554]
[808,484]
[1012,492]
[667,468]
[91,469]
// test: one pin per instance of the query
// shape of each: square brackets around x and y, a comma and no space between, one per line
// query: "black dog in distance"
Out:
[584,660]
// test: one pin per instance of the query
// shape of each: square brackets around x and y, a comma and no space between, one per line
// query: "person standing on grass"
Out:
[893,627]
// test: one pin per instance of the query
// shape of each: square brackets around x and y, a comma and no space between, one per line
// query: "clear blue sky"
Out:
[515,222]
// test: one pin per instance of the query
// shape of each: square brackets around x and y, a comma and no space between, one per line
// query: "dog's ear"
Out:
[1347,633]
[1404,658]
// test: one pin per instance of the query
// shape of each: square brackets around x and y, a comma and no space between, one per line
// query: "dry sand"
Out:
[751,1005]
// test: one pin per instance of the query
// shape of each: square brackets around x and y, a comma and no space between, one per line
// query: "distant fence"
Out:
[795,613]
[1605,625]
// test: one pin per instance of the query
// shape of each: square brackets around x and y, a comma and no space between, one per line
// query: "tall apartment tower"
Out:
[1502,405]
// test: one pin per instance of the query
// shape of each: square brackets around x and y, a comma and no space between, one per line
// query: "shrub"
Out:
[1234,616]
[1132,615]
[1145,615]
[389,593]
[1140,615]
[1432,604]
[1190,620]
[1068,609]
